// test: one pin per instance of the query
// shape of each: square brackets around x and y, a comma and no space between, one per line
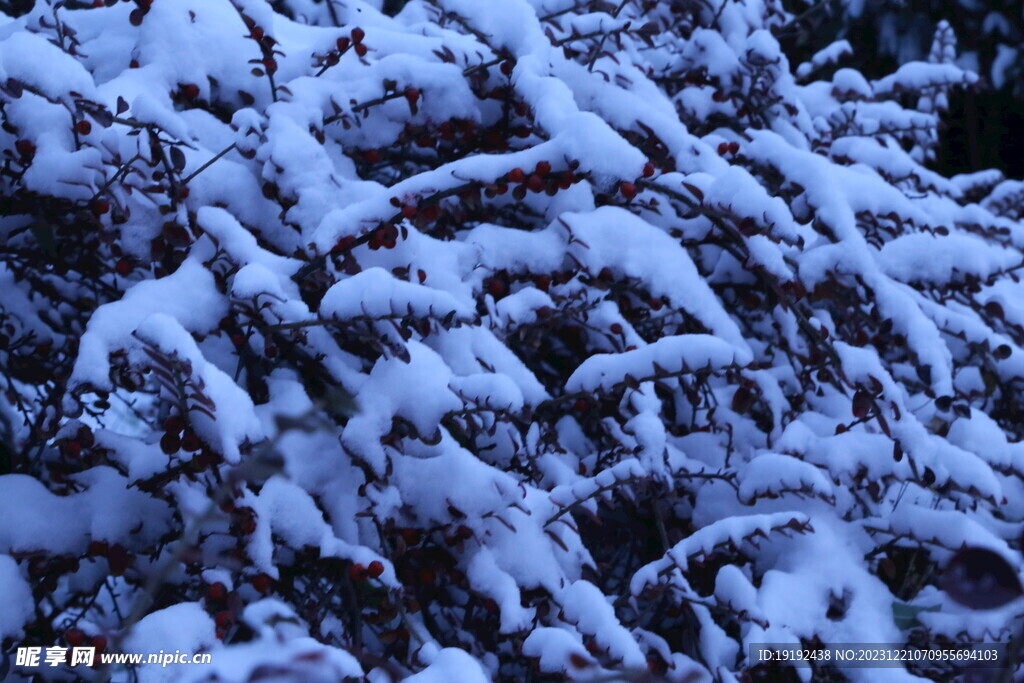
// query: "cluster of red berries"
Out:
[357,35]
[466,129]
[173,440]
[728,147]
[343,45]
[243,519]
[118,557]
[384,237]
[462,533]
[82,440]
[540,180]
[359,573]
[428,213]
[76,637]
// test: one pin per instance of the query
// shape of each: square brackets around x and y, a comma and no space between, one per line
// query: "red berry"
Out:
[496,287]
[343,44]
[344,244]
[190,442]
[581,405]
[357,572]
[247,526]
[85,436]
[543,168]
[516,175]
[174,424]
[25,148]
[75,637]
[371,156]
[412,96]
[409,211]
[190,91]
[184,192]
[224,618]
[217,591]
[83,127]
[734,147]
[628,190]
[170,443]
[99,642]
[100,206]
[357,35]
[123,267]
[72,449]
[615,328]
[543,282]
[648,170]
[723,147]
[375,569]
[361,50]
[119,559]
[535,183]
[134,64]
[507,66]
[262,583]
[98,549]
[422,275]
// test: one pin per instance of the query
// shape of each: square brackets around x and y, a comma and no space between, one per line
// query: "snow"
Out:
[376,293]
[17,599]
[451,665]
[586,607]
[113,324]
[730,342]
[184,626]
[684,353]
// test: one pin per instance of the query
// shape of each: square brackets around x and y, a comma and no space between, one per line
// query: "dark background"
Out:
[984,127]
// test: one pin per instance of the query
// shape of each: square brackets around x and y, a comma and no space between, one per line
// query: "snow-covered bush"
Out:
[518,340]
[991,33]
